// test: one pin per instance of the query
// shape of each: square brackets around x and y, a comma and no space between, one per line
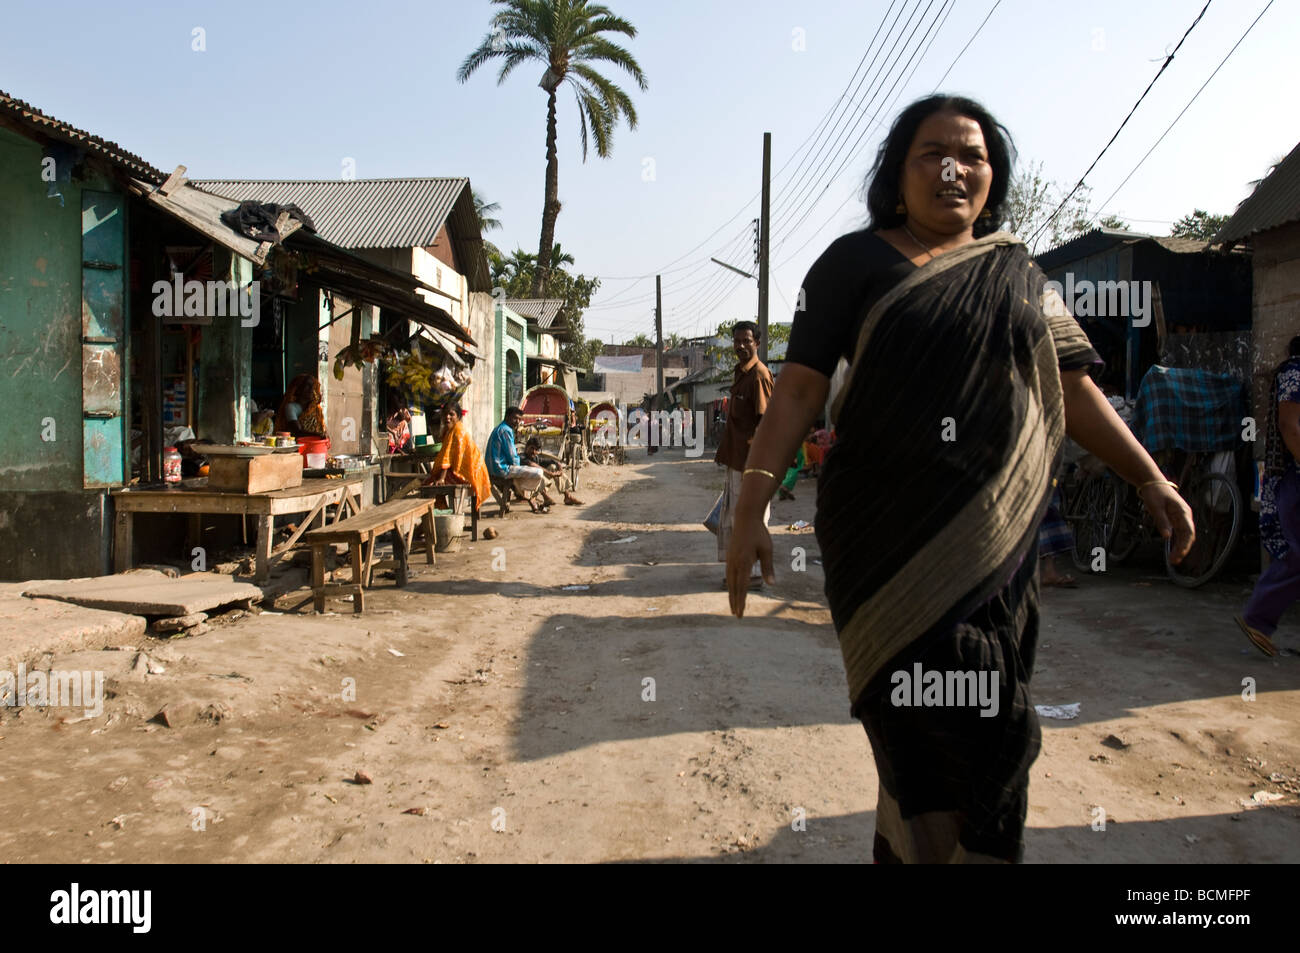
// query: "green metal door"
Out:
[103,338]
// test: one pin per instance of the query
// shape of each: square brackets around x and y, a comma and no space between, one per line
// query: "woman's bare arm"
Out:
[797,399]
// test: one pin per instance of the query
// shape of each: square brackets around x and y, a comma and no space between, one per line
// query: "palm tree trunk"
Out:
[551,208]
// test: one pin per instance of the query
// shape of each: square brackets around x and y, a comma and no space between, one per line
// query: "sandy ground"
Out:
[503,718]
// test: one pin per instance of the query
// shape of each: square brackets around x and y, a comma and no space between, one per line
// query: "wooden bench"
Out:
[360,532]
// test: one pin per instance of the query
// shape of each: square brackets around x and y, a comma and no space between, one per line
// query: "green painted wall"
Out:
[40,322]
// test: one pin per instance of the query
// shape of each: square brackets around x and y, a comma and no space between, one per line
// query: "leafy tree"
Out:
[1032,198]
[1114,221]
[564,36]
[1200,224]
[487,222]
[641,340]
[515,275]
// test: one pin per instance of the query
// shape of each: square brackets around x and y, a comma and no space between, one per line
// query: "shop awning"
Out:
[334,268]
[456,350]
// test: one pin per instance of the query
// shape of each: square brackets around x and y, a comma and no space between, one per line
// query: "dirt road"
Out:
[504,718]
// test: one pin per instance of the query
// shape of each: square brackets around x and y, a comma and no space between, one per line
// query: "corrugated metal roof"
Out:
[1097,240]
[1275,201]
[24,114]
[359,213]
[542,310]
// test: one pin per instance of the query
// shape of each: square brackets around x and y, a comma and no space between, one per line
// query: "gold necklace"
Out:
[918,241]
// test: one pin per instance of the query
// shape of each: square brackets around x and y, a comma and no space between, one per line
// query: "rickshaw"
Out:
[546,416]
[602,434]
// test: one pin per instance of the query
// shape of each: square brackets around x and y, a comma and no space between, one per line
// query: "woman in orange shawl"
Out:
[460,460]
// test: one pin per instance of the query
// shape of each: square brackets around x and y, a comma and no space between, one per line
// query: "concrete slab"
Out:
[31,627]
[147,593]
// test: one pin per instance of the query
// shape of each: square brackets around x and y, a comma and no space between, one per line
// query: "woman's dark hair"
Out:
[1295,346]
[452,408]
[884,183]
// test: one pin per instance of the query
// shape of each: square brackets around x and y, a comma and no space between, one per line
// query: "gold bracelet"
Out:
[1157,483]
[746,473]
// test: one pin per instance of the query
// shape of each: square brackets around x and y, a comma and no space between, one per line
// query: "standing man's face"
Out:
[513,420]
[745,345]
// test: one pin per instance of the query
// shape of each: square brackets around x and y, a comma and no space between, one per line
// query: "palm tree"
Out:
[565,37]
[485,211]
[560,258]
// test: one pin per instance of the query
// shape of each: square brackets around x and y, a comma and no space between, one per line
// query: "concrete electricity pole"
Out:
[763,238]
[659,339]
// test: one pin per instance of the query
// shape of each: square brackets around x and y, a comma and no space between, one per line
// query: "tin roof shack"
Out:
[65,297]
[1144,299]
[511,356]
[424,227]
[547,327]
[1268,221]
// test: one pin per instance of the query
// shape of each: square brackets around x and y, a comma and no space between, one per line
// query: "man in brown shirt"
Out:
[750,392]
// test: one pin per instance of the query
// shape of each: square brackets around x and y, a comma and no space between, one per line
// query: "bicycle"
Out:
[1109,514]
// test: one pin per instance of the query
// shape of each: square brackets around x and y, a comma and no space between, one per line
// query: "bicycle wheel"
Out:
[1093,519]
[575,464]
[1128,528]
[1216,514]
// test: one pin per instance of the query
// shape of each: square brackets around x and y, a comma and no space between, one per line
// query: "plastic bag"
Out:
[713,521]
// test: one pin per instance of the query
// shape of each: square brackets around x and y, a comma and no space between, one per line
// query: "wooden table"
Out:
[194,497]
[360,533]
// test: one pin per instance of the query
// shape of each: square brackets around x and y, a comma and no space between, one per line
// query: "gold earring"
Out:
[986,214]
[900,208]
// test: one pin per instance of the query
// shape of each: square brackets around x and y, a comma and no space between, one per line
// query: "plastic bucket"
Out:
[313,448]
[450,527]
[316,461]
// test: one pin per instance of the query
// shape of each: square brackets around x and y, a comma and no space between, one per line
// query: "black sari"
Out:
[948,432]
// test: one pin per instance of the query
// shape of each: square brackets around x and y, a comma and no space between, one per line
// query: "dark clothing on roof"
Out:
[257,221]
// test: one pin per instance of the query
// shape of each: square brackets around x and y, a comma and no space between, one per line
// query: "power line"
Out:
[667,268]
[793,206]
[783,200]
[932,33]
[1078,185]
[996,4]
[1180,114]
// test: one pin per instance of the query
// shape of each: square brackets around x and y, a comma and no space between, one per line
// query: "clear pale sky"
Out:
[291,90]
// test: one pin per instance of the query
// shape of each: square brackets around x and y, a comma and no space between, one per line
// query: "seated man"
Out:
[503,460]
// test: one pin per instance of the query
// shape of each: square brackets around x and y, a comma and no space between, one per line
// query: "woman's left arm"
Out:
[1094,425]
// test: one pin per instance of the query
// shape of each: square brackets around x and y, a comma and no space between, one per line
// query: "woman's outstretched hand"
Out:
[1173,518]
[750,543]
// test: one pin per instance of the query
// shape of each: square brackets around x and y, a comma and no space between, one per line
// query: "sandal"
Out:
[1257,638]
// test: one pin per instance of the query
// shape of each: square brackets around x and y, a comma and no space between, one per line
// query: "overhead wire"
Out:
[1078,185]
[1144,158]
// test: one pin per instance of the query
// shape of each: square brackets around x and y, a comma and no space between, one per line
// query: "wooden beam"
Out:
[174,181]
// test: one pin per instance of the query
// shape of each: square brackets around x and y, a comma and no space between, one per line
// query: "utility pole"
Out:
[763,239]
[659,339]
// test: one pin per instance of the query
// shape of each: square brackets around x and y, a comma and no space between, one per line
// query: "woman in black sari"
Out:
[965,374]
